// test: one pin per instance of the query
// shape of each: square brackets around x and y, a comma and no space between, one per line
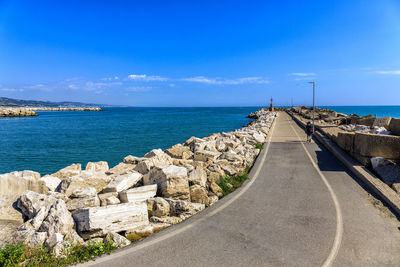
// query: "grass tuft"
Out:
[229,184]
[21,255]
[258,146]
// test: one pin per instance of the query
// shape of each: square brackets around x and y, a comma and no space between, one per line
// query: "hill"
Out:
[4,101]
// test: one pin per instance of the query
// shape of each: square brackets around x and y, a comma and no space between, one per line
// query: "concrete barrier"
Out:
[394,126]
[376,145]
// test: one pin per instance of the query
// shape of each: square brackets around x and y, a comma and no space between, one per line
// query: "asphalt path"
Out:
[300,207]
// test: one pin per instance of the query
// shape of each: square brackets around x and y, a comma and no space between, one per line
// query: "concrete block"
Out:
[375,145]
[394,126]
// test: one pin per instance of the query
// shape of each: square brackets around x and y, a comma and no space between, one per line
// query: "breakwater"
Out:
[16,112]
[374,142]
[64,108]
[137,197]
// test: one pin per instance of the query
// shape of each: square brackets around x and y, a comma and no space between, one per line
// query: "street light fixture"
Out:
[313,114]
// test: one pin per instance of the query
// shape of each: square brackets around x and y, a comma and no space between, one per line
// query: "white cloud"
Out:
[144,77]
[218,81]
[110,78]
[303,74]
[11,90]
[139,89]
[388,72]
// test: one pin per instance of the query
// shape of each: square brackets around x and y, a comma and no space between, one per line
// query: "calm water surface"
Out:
[54,140]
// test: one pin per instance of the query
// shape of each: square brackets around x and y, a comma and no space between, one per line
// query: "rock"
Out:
[172,181]
[58,220]
[179,151]
[31,202]
[158,207]
[121,169]
[39,218]
[15,183]
[36,240]
[231,156]
[118,240]
[73,238]
[212,199]
[166,219]
[94,241]
[220,145]
[84,192]
[198,176]
[110,198]
[51,182]
[69,171]
[206,155]
[60,249]
[394,126]
[379,161]
[259,138]
[214,177]
[155,158]
[382,122]
[114,218]
[389,173]
[216,189]
[123,182]
[138,193]
[132,160]
[85,202]
[98,180]
[97,166]
[198,194]
[184,209]
[145,231]
[228,169]
[53,239]
[205,146]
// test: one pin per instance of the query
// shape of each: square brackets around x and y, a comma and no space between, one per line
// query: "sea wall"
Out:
[16,112]
[138,196]
[374,142]
[64,108]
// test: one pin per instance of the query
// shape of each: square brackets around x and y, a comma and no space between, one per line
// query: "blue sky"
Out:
[201,53]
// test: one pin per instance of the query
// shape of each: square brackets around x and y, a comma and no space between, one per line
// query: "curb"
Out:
[388,195]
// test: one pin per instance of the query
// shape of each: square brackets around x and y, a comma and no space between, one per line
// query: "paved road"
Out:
[300,208]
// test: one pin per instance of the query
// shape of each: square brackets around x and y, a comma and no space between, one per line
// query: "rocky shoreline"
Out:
[17,112]
[137,197]
[30,111]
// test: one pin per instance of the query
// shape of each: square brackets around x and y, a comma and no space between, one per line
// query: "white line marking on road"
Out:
[186,227]
[339,219]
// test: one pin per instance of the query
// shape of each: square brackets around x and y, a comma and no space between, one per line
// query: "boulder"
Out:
[110,198]
[51,182]
[138,193]
[123,182]
[155,158]
[84,192]
[69,171]
[366,121]
[220,145]
[389,173]
[85,202]
[259,138]
[114,218]
[97,166]
[31,202]
[231,156]
[118,240]
[204,155]
[199,194]
[58,220]
[198,176]
[382,122]
[37,239]
[394,126]
[212,199]
[132,160]
[53,239]
[379,161]
[179,151]
[98,180]
[172,181]
[158,207]
[120,169]
[184,209]
[15,183]
[216,189]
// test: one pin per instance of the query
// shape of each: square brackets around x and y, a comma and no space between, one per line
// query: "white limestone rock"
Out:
[97,166]
[85,202]
[172,181]
[158,207]
[84,192]
[114,218]
[110,198]
[123,182]
[199,177]
[118,240]
[138,193]
[31,202]
[58,220]
[184,209]
[51,182]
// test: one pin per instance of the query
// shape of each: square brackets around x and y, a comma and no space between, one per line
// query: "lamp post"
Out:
[313,113]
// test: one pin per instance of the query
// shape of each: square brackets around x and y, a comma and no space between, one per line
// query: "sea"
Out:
[56,139]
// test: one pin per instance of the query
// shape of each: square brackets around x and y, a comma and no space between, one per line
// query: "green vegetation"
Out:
[229,184]
[21,255]
[258,146]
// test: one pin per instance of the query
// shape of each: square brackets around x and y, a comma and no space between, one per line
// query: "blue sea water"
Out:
[53,140]
[379,111]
